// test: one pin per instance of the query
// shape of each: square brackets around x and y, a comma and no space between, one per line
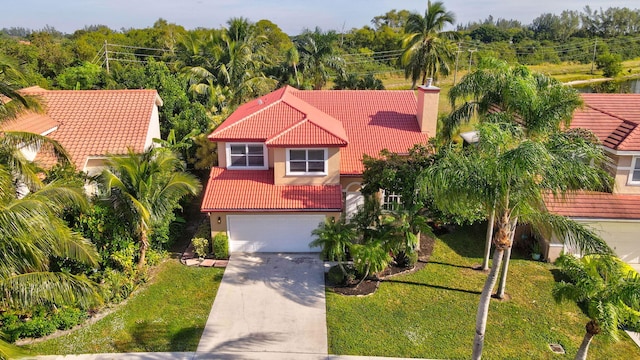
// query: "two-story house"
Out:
[615,120]
[292,158]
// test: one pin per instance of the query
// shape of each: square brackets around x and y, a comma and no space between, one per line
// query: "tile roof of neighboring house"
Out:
[96,122]
[366,121]
[253,190]
[596,205]
[614,118]
[31,122]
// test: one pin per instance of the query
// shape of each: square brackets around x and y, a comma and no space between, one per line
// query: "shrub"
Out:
[221,246]
[154,257]
[335,276]
[200,246]
[610,64]
[36,327]
[67,318]
[406,259]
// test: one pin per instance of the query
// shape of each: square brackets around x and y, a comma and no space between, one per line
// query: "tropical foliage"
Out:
[607,289]
[428,50]
[145,189]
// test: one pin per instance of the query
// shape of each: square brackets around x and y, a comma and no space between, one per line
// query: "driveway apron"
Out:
[268,303]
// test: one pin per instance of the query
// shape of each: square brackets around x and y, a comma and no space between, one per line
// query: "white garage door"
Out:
[622,237]
[272,233]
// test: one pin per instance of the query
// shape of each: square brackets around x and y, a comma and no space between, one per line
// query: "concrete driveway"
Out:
[268,305]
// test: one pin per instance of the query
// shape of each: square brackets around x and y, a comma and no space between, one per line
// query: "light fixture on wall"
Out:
[219,220]
[333,219]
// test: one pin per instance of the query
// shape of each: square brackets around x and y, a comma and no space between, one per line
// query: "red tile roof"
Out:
[366,121]
[253,190]
[31,122]
[614,118]
[97,122]
[596,205]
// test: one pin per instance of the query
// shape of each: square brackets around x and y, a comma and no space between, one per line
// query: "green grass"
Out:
[431,313]
[167,315]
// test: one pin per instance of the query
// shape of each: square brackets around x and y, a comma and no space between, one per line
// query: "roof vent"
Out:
[260,102]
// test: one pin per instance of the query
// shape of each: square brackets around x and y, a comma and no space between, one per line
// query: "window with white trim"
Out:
[246,156]
[390,200]
[306,161]
[634,175]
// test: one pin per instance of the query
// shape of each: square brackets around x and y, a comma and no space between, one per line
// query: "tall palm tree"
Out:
[318,55]
[609,289]
[145,188]
[516,173]
[496,91]
[428,50]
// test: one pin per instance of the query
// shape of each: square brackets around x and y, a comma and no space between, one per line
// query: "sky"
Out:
[292,16]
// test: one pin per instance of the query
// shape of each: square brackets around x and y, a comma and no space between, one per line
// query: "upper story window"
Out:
[246,156]
[634,175]
[390,200]
[306,161]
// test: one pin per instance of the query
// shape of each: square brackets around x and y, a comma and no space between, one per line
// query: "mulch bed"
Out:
[371,284]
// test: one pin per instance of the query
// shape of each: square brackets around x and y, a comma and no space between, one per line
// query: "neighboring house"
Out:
[292,158]
[615,119]
[91,124]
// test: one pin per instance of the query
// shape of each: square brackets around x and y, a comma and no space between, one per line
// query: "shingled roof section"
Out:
[253,190]
[596,205]
[97,122]
[614,118]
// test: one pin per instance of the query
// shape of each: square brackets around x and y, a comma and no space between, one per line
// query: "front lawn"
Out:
[431,314]
[168,315]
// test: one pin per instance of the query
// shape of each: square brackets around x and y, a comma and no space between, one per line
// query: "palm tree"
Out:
[12,103]
[516,173]
[318,55]
[428,51]
[334,238]
[145,188]
[608,288]
[496,91]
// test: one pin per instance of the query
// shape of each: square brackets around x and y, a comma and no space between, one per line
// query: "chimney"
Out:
[428,96]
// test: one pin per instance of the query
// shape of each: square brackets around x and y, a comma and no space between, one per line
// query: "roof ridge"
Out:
[242,119]
[291,128]
[610,114]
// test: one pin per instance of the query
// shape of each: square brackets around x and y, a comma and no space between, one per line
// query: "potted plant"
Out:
[535,251]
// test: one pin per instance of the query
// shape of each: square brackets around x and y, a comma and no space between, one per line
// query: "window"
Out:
[248,156]
[390,200]
[307,161]
[634,176]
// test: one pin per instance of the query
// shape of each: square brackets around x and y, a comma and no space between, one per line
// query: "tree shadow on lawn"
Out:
[148,336]
[432,286]
[468,241]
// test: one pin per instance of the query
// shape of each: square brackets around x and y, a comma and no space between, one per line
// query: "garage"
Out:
[622,236]
[272,233]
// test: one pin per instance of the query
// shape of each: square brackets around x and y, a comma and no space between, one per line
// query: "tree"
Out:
[607,289]
[610,64]
[512,174]
[334,238]
[12,78]
[428,50]
[145,189]
[318,55]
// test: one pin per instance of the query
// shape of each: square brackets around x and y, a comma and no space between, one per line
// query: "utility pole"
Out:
[471,51]
[106,55]
[455,73]
[595,47]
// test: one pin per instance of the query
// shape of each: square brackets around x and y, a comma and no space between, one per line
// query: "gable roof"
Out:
[360,121]
[93,122]
[596,205]
[614,118]
[253,190]
[269,117]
